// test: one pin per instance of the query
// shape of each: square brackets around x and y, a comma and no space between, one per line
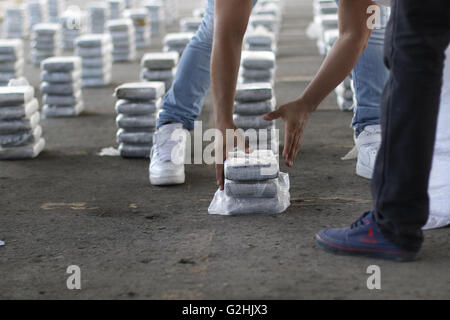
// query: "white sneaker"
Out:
[167,155]
[368,143]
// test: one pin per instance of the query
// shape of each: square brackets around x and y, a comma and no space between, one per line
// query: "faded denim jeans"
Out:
[184,101]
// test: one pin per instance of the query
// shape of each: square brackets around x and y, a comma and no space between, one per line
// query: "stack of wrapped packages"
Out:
[177,41]
[345,94]
[61,87]
[37,12]
[73,22]
[325,23]
[15,25]
[156,15]
[98,14]
[129,4]
[20,132]
[55,8]
[141,24]
[45,42]
[253,185]
[257,66]
[95,51]
[11,60]
[116,8]
[268,21]
[252,100]
[264,25]
[170,11]
[190,24]
[123,39]
[324,28]
[137,109]
[324,7]
[159,66]
[270,7]
[267,14]
[260,39]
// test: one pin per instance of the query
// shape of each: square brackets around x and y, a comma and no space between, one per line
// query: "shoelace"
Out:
[360,221]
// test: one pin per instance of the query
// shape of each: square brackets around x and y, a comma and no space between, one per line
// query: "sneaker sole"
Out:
[364,171]
[167,180]
[329,247]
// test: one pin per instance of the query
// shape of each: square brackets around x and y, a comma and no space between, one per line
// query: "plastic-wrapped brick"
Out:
[140,90]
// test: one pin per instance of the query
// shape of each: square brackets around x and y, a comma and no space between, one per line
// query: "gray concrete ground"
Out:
[134,240]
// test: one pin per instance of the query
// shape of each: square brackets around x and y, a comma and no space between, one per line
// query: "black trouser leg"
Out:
[417,36]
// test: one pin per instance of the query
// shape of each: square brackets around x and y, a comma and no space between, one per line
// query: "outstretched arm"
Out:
[230,23]
[353,36]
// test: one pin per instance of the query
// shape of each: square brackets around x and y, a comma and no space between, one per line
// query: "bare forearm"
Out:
[230,23]
[224,72]
[345,53]
[335,68]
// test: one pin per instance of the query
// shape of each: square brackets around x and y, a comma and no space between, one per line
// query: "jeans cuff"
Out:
[187,123]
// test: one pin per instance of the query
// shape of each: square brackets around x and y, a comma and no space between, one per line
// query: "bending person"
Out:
[220,35]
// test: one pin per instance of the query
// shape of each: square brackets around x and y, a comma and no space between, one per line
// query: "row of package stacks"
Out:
[20,130]
[137,109]
[61,87]
[325,29]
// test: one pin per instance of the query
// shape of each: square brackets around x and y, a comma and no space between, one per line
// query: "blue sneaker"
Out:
[362,238]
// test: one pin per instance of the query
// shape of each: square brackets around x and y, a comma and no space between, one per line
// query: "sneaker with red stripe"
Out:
[363,238]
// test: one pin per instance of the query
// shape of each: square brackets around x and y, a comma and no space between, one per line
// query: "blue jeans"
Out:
[369,78]
[184,101]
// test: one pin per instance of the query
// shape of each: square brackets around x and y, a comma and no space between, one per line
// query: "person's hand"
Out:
[295,115]
[236,139]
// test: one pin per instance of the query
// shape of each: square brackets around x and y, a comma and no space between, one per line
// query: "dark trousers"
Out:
[416,37]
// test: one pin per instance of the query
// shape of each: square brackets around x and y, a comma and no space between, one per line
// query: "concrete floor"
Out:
[133,240]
